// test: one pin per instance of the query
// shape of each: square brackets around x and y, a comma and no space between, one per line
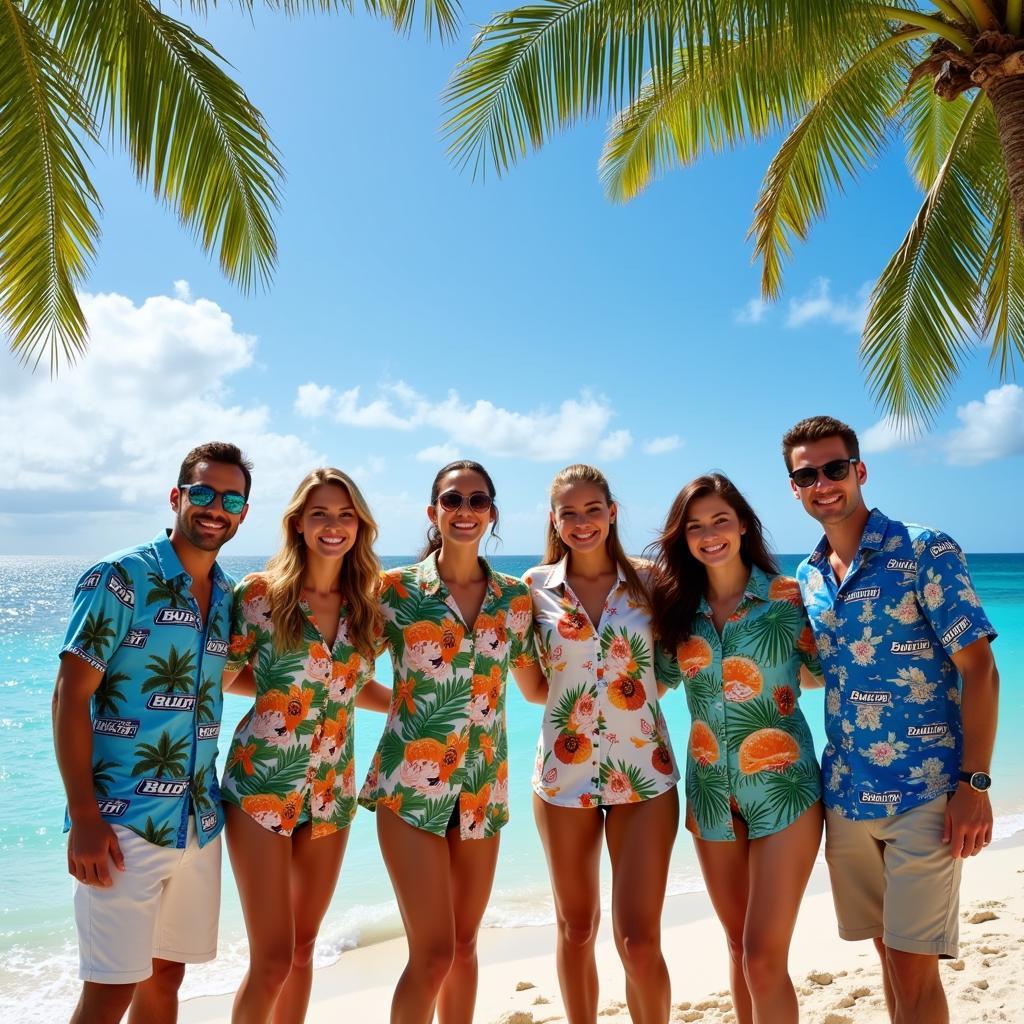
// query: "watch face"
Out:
[981,781]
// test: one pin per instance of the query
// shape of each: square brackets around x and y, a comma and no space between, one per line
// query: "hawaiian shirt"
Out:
[603,739]
[156,712]
[444,742]
[750,751]
[292,758]
[885,636]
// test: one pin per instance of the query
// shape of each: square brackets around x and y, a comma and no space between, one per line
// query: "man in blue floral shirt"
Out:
[910,716]
[137,710]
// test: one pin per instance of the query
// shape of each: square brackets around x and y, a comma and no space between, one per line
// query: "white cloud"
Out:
[753,312]
[111,431]
[614,445]
[818,304]
[661,445]
[442,454]
[992,428]
[886,436]
[577,426]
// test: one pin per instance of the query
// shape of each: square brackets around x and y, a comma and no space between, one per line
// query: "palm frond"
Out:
[930,126]
[925,309]
[191,132]
[48,226]
[840,135]
[1003,275]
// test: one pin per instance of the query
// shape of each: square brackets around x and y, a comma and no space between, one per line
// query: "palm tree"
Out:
[157,836]
[173,673]
[166,757]
[842,79]
[74,70]
[108,696]
[170,592]
[204,700]
[102,778]
[200,791]
[97,632]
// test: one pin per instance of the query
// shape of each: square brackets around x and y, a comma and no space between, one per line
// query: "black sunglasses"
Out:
[836,469]
[452,501]
[202,495]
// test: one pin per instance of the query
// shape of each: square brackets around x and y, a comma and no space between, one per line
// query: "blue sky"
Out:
[524,321]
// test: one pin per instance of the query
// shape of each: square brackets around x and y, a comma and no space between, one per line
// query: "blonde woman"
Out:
[308,627]
[605,770]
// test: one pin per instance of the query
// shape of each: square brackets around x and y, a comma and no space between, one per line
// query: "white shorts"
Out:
[164,905]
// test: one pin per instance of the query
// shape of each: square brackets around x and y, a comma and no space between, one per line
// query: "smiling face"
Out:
[713,530]
[329,522]
[582,517]
[209,527]
[829,501]
[463,525]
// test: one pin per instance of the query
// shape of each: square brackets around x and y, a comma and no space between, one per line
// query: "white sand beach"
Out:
[838,982]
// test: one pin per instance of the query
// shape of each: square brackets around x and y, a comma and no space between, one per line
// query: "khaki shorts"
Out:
[164,905]
[894,879]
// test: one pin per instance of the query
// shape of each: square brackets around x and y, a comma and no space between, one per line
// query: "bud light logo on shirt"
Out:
[172,702]
[909,646]
[177,617]
[208,821]
[124,728]
[890,796]
[863,594]
[929,730]
[943,547]
[123,593]
[112,808]
[137,638]
[209,731]
[91,582]
[217,647]
[163,787]
[901,565]
[956,630]
[870,697]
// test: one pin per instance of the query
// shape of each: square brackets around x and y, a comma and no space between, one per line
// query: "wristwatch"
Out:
[981,781]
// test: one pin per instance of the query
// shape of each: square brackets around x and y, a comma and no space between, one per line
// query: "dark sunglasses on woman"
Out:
[452,501]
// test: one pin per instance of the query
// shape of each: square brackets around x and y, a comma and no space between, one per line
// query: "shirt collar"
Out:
[556,578]
[756,589]
[171,567]
[871,539]
[430,579]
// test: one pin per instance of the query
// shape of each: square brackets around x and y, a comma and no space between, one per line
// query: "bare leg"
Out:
[418,863]
[780,866]
[102,1004]
[917,988]
[316,865]
[725,867]
[261,861]
[890,997]
[572,845]
[472,874]
[640,838]
[156,999]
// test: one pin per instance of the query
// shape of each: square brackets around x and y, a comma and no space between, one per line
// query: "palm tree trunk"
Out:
[1007,96]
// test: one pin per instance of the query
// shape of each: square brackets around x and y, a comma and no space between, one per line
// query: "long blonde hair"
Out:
[360,571]
[554,548]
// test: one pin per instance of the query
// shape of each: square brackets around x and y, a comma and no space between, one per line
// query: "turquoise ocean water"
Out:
[38,961]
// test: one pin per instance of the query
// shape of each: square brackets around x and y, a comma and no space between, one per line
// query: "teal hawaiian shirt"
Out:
[156,713]
[750,753]
[885,636]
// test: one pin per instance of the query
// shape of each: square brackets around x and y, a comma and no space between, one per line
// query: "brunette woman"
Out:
[439,778]
[605,770]
[307,627]
[740,642]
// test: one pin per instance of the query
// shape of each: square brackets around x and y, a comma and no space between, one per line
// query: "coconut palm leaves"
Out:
[683,77]
[109,695]
[102,778]
[96,633]
[173,673]
[73,70]
[167,592]
[165,757]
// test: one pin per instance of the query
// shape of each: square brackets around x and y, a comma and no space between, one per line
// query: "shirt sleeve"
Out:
[805,647]
[101,614]
[666,667]
[947,597]
[244,633]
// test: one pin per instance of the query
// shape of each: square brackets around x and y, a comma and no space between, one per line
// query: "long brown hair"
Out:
[433,533]
[680,580]
[359,573]
[554,547]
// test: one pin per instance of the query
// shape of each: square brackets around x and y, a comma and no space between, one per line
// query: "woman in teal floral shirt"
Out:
[735,633]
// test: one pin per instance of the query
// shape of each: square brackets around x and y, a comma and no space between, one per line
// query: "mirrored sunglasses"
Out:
[202,495]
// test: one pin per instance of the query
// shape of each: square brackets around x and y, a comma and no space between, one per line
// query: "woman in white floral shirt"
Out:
[605,767]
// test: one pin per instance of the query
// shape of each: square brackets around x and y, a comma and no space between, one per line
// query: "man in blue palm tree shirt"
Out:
[136,716]
[911,693]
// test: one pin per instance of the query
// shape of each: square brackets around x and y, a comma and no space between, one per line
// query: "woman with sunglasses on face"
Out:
[307,628]
[735,633]
[605,770]
[439,779]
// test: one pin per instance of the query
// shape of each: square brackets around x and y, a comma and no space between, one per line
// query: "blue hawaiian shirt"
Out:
[156,713]
[885,637]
